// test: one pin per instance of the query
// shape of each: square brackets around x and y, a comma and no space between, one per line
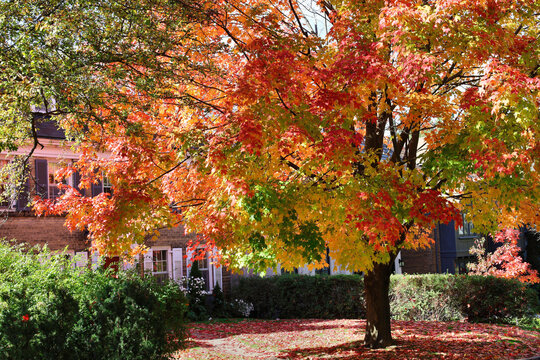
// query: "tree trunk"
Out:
[376,284]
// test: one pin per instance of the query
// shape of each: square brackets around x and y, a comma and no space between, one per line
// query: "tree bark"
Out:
[376,287]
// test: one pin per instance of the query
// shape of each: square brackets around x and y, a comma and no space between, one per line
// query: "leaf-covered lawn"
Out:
[342,339]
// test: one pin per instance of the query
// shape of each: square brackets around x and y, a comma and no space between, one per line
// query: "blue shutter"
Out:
[42,178]
[97,188]
[22,200]
[76,182]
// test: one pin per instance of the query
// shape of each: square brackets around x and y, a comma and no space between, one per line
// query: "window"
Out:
[461,264]
[107,186]
[54,192]
[164,263]
[467,229]
[211,273]
[205,270]
[46,184]
[160,267]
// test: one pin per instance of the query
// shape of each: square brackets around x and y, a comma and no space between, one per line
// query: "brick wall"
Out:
[27,228]
[32,230]
[422,261]
[419,261]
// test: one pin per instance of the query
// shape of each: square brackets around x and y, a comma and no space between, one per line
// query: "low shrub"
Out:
[302,296]
[432,297]
[429,297]
[51,310]
[492,299]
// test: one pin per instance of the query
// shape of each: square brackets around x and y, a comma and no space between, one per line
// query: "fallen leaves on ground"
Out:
[342,339]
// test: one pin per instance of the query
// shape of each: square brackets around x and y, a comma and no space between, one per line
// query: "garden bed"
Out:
[342,339]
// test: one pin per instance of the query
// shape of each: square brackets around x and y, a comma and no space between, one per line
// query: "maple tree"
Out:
[349,125]
[505,261]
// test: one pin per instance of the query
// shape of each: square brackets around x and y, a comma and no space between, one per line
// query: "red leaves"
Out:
[505,261]
[250,135]
[430,204]
[495,159]
[306,339]
[342,143]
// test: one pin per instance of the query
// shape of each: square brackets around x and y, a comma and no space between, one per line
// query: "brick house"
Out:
[166,258]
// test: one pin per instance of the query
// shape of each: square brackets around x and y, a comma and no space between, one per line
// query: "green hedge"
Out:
[435,297]
[51,310]
[303,296]
[491,299]
[443,297]
[430,297]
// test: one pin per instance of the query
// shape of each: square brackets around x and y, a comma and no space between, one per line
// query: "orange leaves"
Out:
[505,261]
[338,120]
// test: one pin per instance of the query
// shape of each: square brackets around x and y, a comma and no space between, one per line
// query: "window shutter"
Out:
[332,264]
[97,188]
[96,260]
[77,181]
[81,259]
[148,261]
[131,263]
[128,264]
[177,265]
[189,260]
[22,200]
[218,272]
[210,266]
[42,178]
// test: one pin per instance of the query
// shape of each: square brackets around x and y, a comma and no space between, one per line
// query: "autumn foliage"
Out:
[288,128]
[505,261]
[359,137]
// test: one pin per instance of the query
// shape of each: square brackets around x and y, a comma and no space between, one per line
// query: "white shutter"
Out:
[128,264]
[96,260]
[148,261]
[189,260]
[219,275]
[332,264]
[81,259]
[218,272]
[131,263]
[177,271]
[398,268]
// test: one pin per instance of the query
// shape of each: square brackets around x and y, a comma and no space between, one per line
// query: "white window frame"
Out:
[149,261]
[106,185]
[166,271]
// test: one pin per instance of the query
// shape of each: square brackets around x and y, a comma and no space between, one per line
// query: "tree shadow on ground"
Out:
[410,349]
[221,330]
